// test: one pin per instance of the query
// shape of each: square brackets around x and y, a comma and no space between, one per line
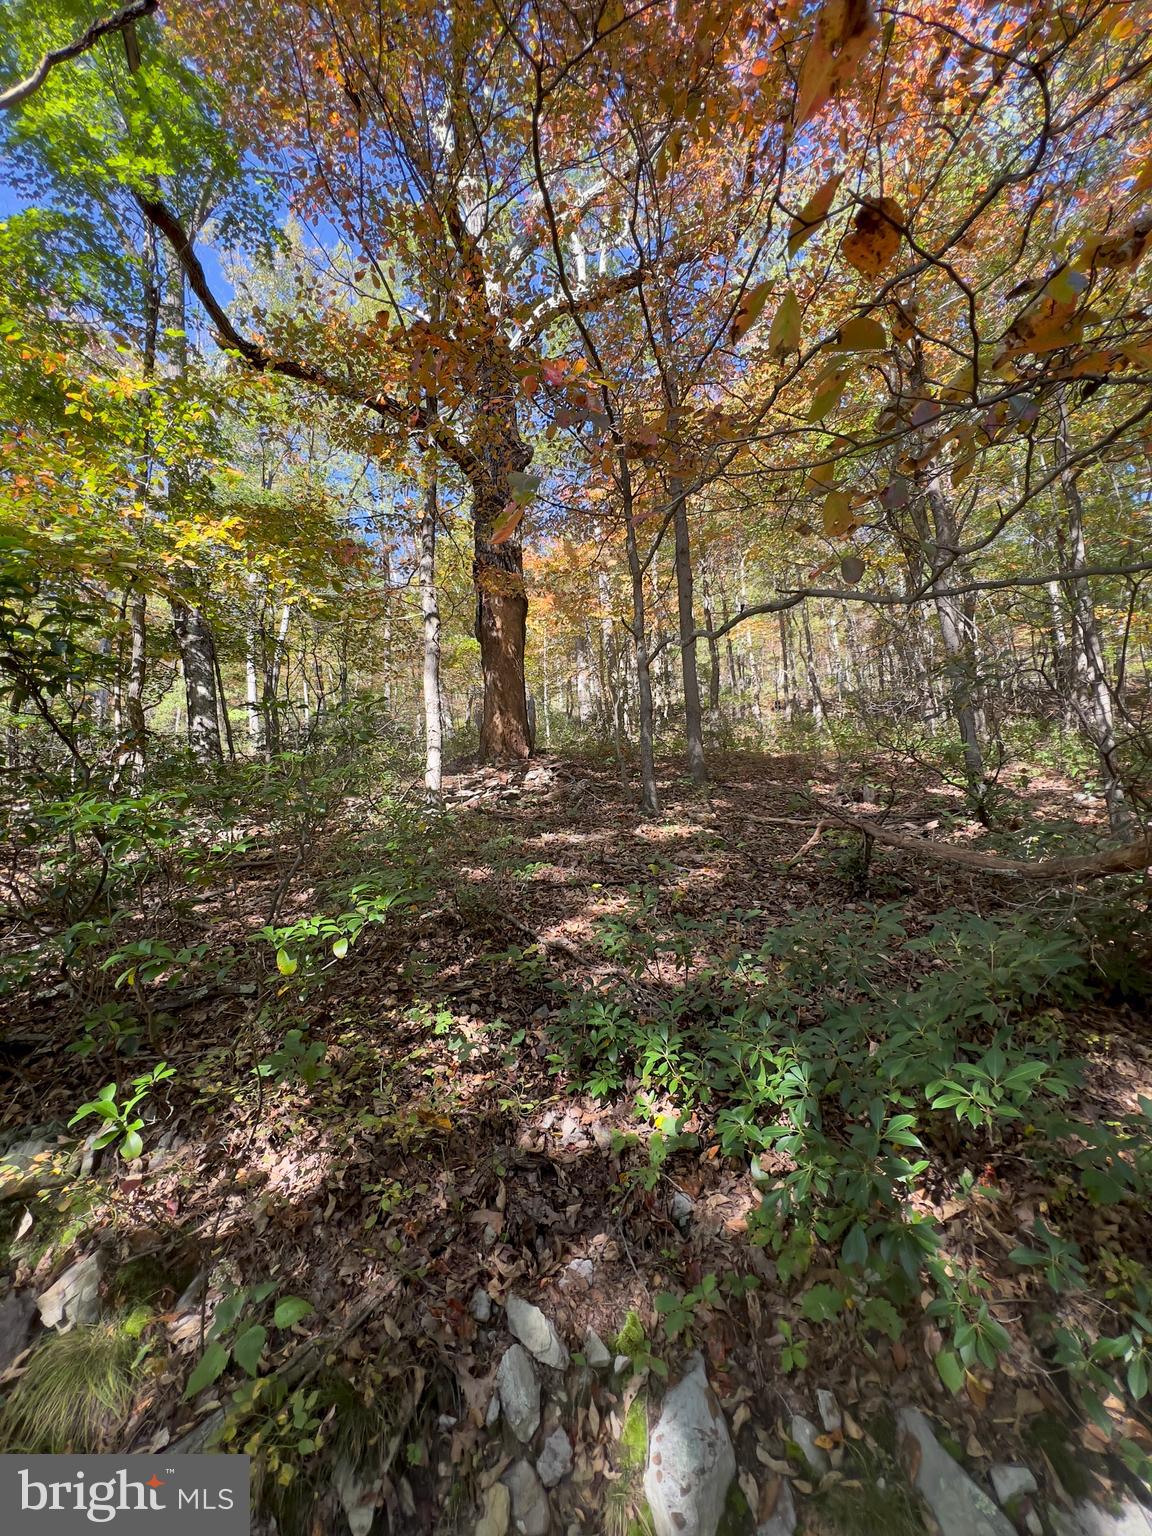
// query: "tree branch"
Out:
[1128,860]
[125,17]
[411,418]
[793,596]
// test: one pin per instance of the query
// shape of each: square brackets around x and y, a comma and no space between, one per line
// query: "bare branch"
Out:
[123,18]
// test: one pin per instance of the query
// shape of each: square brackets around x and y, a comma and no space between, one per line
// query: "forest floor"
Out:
[456,1139]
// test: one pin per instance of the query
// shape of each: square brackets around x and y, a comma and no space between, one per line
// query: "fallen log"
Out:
[1129,859]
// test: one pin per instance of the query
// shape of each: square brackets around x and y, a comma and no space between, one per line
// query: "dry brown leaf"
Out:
[875,238]
[813,214]
[844,29]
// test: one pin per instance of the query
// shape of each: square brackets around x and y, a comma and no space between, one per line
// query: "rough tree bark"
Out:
[1092,696]
[132,745]
[197,659]
[685,602]
[955,636]
[649,790]
[499,454]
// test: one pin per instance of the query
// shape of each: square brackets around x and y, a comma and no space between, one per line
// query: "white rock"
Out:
[492,1417]
[960,1507]
[1033,1524]
[829,1411]
[690,1459]
[36,1162]
[572,1133]
[782,1521]
[481,1305]
[530,1513]
[74,1297]
[519,1392]
[577,1275]
[804,1433]
[622,1364]
[536,1333]
[680,1208]
[358,1499]
[497,1511]
[1011,1482]
[1085,1519]
[596,1351]
[602,1135]
[555,1460]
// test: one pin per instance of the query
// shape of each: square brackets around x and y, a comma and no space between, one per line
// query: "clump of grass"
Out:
[361,1422]
[874,1497]
[74,1394]
[625,1508]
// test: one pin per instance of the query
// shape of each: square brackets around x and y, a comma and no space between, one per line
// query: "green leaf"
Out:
[132,1146]
[209,1367]
[854,1249]
[227,1313]
[821,1303]
[340,947]
[879,1313]
[951,1371]
[1137,1377]
[249,1347]
[290,1310]
[784,335]
[285,963]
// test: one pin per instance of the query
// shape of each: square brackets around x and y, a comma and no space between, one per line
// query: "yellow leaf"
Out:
[863,334]
[837,514]
[827,396]
[813,214]
[749,310]
[822,477]
[784,335]
[1124,250]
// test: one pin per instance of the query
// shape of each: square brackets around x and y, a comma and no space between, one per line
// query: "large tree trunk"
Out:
[273,664]
[713,646]
[649,790]
[955,632]
[499,453]
[583,679]
[818,705]
[197,657]
[252,690]
[430,614]
[685,598]
[131,748]
[1092,695]
[501,629]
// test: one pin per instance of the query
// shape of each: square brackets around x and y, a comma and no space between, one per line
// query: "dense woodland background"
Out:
[575,634]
